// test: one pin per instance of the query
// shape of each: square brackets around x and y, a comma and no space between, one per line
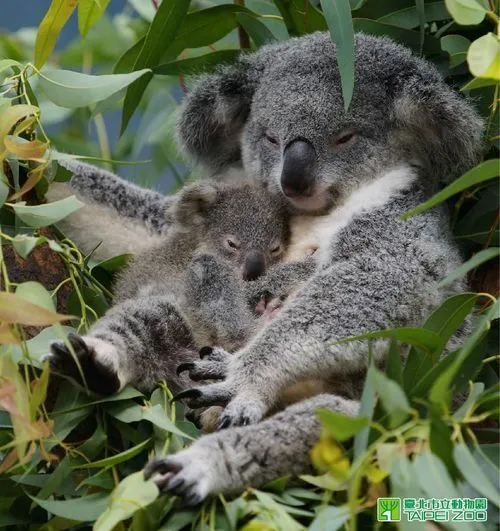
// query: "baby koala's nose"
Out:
[254,266]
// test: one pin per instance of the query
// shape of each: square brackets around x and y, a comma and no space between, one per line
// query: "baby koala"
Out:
[183,294]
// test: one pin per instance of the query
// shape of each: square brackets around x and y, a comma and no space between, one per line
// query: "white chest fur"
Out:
[315,233]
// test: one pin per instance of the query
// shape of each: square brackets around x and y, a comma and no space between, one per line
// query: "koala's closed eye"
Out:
[232,243]
[276,249]
[344,139]
[271,140]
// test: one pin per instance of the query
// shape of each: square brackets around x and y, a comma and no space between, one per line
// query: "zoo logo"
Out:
[389,509]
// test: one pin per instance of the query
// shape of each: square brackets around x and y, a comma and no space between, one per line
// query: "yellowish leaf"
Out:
[11,115]
[328,456]
[258,525]
[50,27]
[7,337]
[483,57]
[33,177]
[375,474]
[34,149]
[14,309]
[89,12]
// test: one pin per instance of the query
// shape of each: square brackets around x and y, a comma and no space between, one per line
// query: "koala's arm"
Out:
[127,199]
[280,280]
[232,460]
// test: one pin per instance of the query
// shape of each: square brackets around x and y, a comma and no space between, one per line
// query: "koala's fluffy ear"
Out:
[214,114]
[437,126]
[192,204]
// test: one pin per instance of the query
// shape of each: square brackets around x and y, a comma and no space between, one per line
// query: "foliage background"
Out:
[72,461]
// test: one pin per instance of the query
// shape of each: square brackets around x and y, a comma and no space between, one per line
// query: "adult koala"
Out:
[280,112]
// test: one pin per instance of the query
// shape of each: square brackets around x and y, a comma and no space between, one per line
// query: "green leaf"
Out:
[50,27]
[89,12]
[456,46]
[366,409]
[433,477]
[300,17]
[480,258]
[393,398]
[394,369]
[44,215]
[158,417]
[338,17]
[479,83]
[409,18]
[195,65]
[476,391]
[442,387]
[257,30]
[118,458]
[340,426]
[131,495]
[446,319]
[85,509]
[404,36]
[473,473]
[412,336]
[467,12]
[127,60]
[481,173]
[483,57]
[330,518]
[72,89]
[160,35]
[34,292]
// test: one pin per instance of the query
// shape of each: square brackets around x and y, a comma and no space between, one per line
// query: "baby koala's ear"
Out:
[192,203]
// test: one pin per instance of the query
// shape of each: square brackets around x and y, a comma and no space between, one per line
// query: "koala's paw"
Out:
[96,361]
[192,474]
[242,411]
[212,366]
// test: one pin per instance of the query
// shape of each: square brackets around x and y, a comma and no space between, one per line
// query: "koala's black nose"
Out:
[297,176]
[255,265]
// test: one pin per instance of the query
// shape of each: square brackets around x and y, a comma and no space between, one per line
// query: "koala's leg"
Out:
[138,342]
[216,304]
[232,460]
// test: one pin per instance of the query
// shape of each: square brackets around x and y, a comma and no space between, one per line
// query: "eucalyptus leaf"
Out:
[131,495]
[85,509]
[338,17]
[48,214]
[73,89]
[478,259]
[340,426]
[160,35]
[481,173]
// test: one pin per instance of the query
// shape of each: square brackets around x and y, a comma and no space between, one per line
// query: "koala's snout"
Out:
[297,175]
[254,266]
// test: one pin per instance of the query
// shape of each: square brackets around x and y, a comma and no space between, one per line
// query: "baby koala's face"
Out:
[248,227]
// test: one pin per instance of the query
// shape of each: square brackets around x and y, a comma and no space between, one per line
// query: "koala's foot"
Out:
[97,360]
[268,307]
[194,473]
[213,365]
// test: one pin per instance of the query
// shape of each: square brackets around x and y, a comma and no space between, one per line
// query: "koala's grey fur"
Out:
[183,294]
[404,133]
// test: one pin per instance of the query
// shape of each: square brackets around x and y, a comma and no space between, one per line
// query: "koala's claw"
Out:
[188,474]
[217,394]
[213,365]
[241,412]
[187,394]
